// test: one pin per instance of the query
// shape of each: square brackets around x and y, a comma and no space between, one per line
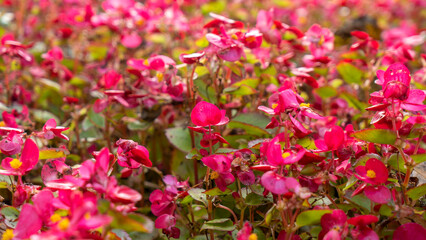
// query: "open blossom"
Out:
[50,130]
[12,144]
[132,155]
[319,40]
[27,161]
[206,114]
[221,165]
[374,172]
[333,225]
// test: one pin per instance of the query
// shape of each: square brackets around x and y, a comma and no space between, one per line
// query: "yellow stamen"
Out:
[87,216]
[286,154]
[160,76]
[275,105]
[371,174]
[234,37]
[214,175]
[8,234]
[79,18]
[253,236]
[251,39]
[55,218]
[2,124]
[305,105]
[64,224]
[15,163]
[321,41]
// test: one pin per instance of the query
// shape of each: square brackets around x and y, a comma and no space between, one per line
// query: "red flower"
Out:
[374,172]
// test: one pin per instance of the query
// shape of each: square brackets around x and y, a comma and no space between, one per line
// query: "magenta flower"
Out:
[225,46]
[361,230]
[27,161]
[12,48]
[278,184]
[374,172]
[246,232]
[333,225]
[409,231]
[12,144]
[132,155]
[191,58]
[167,223]
[319,40]
[50,130]
[110,80]
[334,137]
[395,81]
[161,202]
[221,165]
[206,114]
[277,157]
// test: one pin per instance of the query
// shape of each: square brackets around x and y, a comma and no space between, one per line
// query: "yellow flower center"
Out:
[55,218]
[253,236]
[2,124]
[8,234]
[79,18]
[371,174]
[15,163]
[87,216]
[64,224]
[160,76]
[286,154]
[305,105]
[214,175]
[275,105]
[251,39]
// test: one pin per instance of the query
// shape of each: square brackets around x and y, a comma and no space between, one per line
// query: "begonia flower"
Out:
[26,162]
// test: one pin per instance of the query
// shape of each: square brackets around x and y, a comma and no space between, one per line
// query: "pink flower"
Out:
[132,155]
[319,40]
[333,224]
[191,58]
[361,230]
[409,231]
[206,114]
[278,184]
[50,130]
[12,144]
[27,161]
[245,232]
[132,40]
[167,223]
[110,79]
[222,166]
[395,81]
[225,47]
[277,157]
[374,172]
[334,137]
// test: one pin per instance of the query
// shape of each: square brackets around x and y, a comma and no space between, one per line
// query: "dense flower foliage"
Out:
[212,119]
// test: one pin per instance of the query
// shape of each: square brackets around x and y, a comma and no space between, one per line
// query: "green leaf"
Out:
[354,102]
[181,138]
[214,6]
[207,92]
[419,158]
[326,92]
[417,192]
[350,73]
[351,181]
[10,213]
[253,199]
[385,210]
[311,217]
[242,90]
[253,123]
[3,184]
[221,224]
[52,153]
[131,222]
[381,136]
[96,118]
[216,192]
[198,194]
